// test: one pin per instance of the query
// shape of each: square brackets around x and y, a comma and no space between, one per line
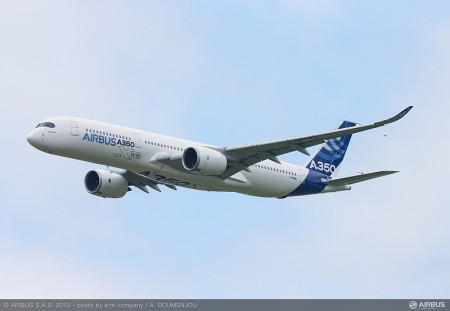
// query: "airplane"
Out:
[151,160]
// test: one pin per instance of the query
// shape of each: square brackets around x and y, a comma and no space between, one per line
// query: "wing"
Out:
[243,156]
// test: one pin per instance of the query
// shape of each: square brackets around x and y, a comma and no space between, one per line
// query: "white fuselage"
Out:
[134,150]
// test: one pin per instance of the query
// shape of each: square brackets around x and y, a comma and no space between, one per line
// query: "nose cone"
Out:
[31,138]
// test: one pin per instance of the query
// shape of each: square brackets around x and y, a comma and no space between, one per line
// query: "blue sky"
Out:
[226,73]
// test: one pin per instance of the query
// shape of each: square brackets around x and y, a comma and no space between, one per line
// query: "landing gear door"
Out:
[73,128]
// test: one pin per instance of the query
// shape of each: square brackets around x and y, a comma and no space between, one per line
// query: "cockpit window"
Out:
[46,124]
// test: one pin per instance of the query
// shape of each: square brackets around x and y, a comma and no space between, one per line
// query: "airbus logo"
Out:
[426,305]
[112,141]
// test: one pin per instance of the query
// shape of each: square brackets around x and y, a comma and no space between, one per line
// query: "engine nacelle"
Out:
[204,161]
[106,184]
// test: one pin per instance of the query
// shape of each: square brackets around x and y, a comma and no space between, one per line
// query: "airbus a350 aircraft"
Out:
[149,159]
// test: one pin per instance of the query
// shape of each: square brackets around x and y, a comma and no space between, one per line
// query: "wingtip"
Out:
[404,112]
[390,172]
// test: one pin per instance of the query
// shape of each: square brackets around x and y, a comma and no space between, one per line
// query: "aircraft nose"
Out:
[31,138]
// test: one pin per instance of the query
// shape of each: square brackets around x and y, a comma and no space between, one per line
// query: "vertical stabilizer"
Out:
[330,155]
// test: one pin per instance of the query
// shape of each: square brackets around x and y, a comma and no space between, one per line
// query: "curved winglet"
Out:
[400,115]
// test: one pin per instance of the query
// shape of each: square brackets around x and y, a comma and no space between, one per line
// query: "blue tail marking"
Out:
[330,156]
[324,163]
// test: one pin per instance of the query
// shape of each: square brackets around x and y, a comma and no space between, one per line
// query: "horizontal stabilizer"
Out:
[356,179]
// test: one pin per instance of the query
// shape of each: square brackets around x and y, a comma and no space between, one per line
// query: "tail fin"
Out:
[329,157]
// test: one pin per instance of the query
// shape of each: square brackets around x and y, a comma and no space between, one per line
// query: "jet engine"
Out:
[204,161]
[106,184]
